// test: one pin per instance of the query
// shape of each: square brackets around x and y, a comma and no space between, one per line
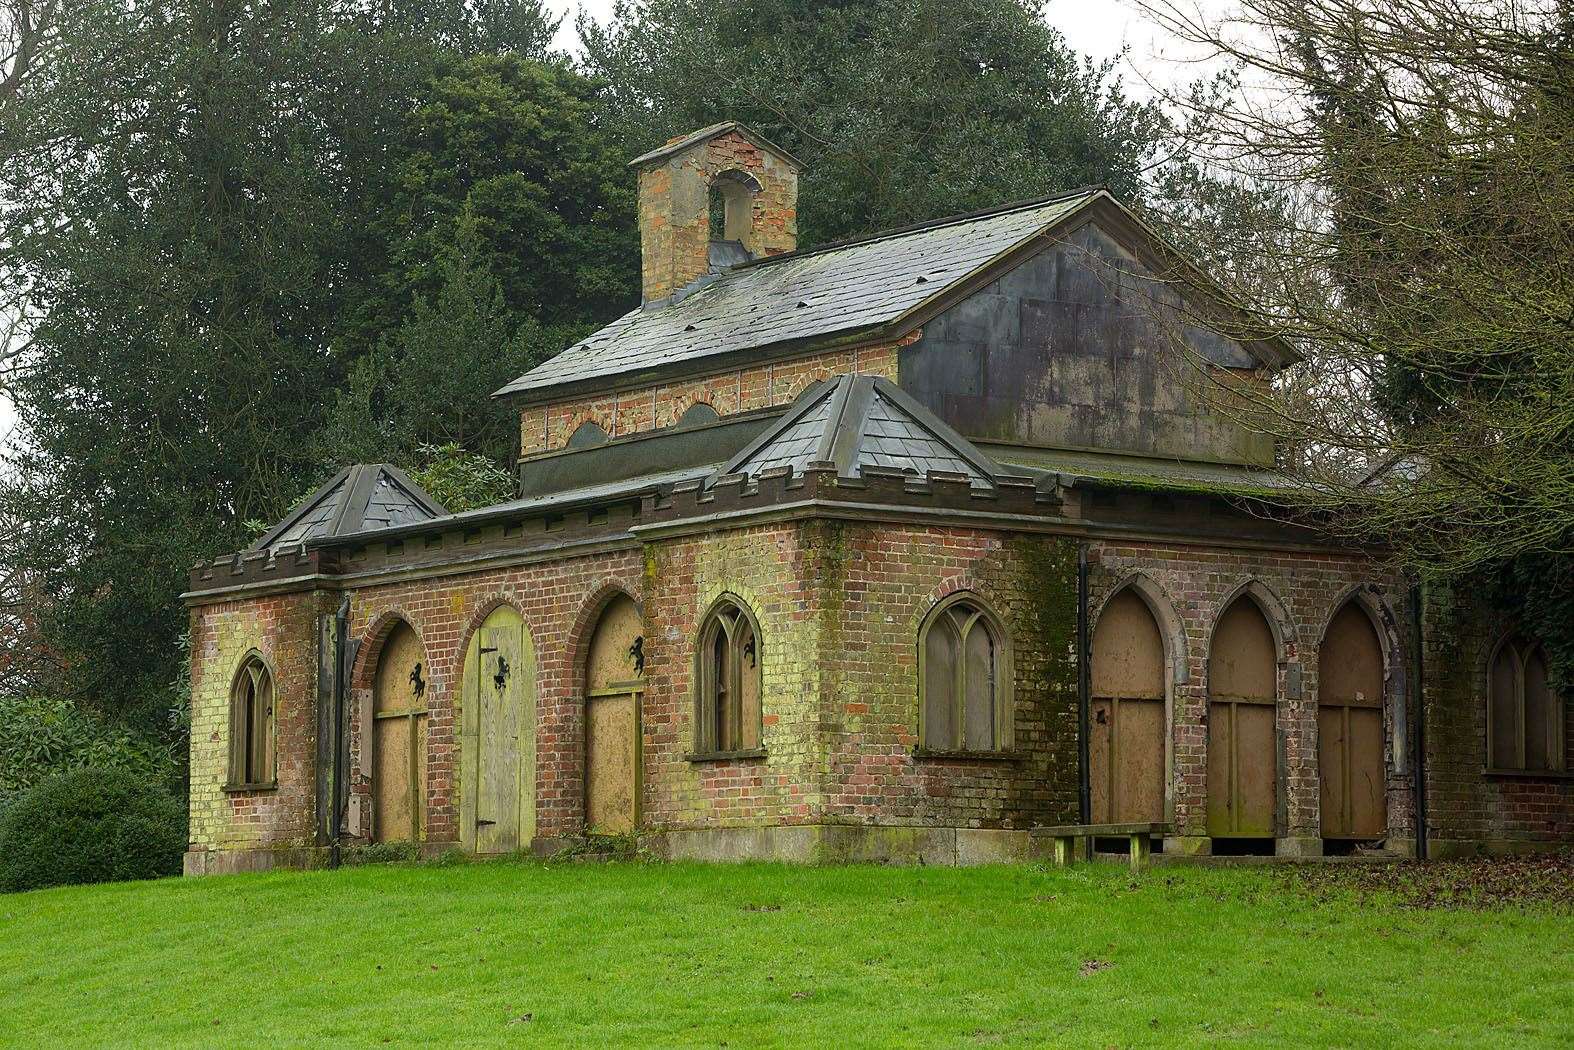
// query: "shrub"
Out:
[41,737]
[90,825]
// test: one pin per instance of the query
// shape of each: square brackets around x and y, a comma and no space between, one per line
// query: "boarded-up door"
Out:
[614,683]
[398,758]
[498,737]
[1350,728]
[1126,719]
[1243,766]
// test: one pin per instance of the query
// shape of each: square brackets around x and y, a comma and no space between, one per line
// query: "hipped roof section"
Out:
[857,421]
[360,498]
[878,286]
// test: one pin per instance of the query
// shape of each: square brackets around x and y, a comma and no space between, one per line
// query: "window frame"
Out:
[245,724]
[1520,648]
[715,627]
[1003,684]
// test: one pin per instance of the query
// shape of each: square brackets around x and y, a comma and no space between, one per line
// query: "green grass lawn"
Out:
[531,954]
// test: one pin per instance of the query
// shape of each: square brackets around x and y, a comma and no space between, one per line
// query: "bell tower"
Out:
[709,201]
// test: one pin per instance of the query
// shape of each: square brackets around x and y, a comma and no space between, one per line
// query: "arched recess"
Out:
[397,762]
[699,414]
[1526,720]
[729,657]
[1350,695]
[965,679]
[614,685]
[588,434]
[497,736]
[253,761]
[1129,713]
[1243,752]
[731,211]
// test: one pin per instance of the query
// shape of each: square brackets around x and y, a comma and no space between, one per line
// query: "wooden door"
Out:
[1126,716]
[1350,728]
[398,738]
[614,685]
[498,735]
[1243,765]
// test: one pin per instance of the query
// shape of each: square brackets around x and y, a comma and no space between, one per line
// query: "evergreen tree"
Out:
[205,199]
[901,110]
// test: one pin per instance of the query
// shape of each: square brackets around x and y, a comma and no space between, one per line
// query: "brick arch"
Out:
[589,614]
[600,414]
[679,399]
[372,640]
[266,659]
[957,584]
[473,623]
[1390,637]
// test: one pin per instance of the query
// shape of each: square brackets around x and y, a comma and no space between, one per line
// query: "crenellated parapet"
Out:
[874,488]
[264,566]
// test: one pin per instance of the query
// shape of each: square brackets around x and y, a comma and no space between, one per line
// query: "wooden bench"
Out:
[1065,837]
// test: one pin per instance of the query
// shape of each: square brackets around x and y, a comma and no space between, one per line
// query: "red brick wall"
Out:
[1468,808]
[839,607]
[881,582]
[1301,592]
[768,569]
[557,600]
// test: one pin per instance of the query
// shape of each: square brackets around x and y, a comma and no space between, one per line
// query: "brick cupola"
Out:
[722,176]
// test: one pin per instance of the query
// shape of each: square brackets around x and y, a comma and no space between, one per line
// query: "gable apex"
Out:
[695,138]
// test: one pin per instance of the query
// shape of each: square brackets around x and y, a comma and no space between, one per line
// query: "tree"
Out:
[901,110]
[1424,153]
[202,200]
[429,380]
[186,230]
[515,152]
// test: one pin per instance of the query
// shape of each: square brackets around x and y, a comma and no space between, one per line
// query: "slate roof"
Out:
[838,289]
[856,421]
[361,498]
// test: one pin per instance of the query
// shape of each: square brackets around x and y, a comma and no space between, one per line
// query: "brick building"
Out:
[891,549]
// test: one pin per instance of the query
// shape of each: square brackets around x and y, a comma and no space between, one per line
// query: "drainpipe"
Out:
[337,794]
[1417,612]
[1084,770]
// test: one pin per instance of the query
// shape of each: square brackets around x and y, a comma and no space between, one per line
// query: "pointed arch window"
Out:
[252,762]
[964,679]
[727,677]
[1525,718]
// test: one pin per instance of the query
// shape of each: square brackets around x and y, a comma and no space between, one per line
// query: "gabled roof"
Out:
[360,498]
[839,289]
[857,421]
[678,145]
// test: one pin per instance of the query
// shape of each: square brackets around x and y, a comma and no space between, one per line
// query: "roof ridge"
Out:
[920,227]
